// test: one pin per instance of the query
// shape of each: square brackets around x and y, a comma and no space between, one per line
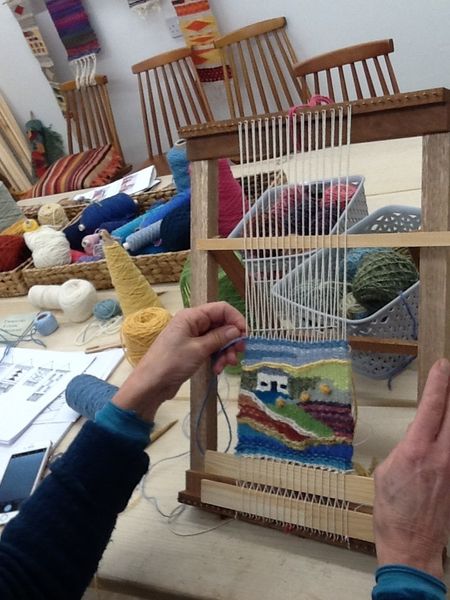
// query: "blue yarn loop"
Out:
[107,309]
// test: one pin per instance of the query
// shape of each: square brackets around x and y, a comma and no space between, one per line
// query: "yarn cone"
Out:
[133,291]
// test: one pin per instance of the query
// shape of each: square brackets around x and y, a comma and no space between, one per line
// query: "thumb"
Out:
[217,338]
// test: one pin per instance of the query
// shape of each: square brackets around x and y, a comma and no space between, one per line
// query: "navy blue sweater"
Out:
[51,550]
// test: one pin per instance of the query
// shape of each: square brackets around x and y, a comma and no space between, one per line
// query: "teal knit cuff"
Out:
[407,582]
[124,423]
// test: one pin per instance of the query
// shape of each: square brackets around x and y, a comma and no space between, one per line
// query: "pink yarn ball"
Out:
[89,242]
[339,193]
[230,199]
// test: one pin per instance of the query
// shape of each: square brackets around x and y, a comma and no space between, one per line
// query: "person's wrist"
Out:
[423,558]
[143,395]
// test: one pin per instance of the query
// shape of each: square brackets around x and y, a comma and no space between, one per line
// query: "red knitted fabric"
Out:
[230,199]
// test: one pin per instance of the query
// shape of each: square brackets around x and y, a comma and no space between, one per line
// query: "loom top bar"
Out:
[389,117]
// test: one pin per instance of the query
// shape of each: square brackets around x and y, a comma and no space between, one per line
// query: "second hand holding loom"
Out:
[292,469]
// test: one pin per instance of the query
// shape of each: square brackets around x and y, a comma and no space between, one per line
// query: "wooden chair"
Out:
[258,69]
[358,72]
[171,96]
[89,118]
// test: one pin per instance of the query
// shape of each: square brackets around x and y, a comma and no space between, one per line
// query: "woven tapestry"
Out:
[77,36]
[295,402]
[199,28]
[23,13]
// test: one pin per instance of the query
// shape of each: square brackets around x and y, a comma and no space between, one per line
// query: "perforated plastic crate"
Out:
[397,319]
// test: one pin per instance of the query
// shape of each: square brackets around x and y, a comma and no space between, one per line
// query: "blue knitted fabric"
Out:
[295,402]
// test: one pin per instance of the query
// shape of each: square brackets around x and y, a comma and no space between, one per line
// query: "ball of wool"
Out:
[50,248]
[339,194]
[381,277]
[13,252]
[283,209]
[44,296]
[107,309]
[315,218]
[120,206]
[89,242]
[74,236]
[75,255]
[354,258]
[77,298]
[53,215]
[30,225]
[175,231]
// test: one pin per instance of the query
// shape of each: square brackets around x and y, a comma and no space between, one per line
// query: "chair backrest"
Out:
[89,117]
[355,72]
[171,96]
[258,69]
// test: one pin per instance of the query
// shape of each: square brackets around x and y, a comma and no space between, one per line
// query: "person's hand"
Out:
[412,486]
[192,336]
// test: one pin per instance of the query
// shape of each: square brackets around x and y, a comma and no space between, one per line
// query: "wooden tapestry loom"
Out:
[333,507]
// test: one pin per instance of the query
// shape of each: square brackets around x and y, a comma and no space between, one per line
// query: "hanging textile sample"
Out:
[199,28]
[78,37]
[23,13]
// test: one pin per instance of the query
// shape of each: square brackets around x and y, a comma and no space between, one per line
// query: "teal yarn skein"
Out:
[107,309]
[354,259]
[86,394]
[381,277]
[179,165]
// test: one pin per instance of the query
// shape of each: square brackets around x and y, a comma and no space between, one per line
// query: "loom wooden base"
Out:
[313,515]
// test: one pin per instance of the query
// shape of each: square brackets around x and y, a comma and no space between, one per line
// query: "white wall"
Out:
[419,29]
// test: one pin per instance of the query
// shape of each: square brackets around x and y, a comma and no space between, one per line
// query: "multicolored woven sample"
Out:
[77,35]
[199,28]
[295,402]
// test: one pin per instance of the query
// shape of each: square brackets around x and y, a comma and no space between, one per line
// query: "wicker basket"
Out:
[12,283]
[398,319]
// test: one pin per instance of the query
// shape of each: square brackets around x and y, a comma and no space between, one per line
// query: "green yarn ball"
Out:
[381,277]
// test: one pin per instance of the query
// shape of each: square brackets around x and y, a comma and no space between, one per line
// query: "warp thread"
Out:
[13,252]
[140,330]
[381,277]
[145,236]
[133,290]
[179,165]
[107,309]
[86,394]
[50,248]
[53,215]
[76,298]
[46,323]
[121,206]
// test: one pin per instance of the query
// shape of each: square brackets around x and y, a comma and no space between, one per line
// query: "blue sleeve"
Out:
[399,582]
[51,550]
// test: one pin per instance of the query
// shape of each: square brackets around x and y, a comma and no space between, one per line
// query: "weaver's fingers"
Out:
[430,413]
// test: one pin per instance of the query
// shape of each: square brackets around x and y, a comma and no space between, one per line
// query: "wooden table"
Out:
[149,558]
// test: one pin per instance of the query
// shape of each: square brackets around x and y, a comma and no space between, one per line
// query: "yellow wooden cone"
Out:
[133,291]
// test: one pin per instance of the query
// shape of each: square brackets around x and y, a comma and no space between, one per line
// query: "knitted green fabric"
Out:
[381,277]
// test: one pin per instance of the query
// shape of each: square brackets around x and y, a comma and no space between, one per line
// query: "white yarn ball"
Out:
[53,215]
[50,248]
[44,296]
[77,298]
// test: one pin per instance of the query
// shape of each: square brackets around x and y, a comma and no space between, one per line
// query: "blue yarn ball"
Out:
[120,206]
[176,229]
[107,309]
[179,165]
[75,236]
[87,394]
[111,225]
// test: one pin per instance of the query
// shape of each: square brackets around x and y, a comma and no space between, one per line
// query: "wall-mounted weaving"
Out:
[23,12]
[199,28]
[78,37]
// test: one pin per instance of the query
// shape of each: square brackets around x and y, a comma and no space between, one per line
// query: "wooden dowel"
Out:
[413,239]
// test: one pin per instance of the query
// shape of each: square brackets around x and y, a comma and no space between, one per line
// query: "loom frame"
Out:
[424,113]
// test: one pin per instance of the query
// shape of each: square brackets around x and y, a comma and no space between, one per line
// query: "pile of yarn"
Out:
[140,329]
[49,247]
[76,298]
[53,215]
[375,277]
[309,209]
[13,252]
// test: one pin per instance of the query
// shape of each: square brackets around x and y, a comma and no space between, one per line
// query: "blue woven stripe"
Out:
[294,353]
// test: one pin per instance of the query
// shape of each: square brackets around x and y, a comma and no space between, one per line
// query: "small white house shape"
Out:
[275,382]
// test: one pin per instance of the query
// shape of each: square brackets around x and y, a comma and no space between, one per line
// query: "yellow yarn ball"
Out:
[140,330]
[53,215]
[14,229]
[30,225]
